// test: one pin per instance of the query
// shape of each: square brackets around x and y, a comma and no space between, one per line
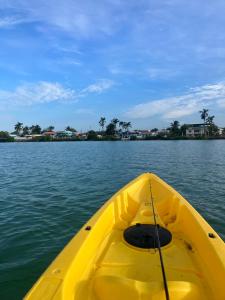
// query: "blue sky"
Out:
[149,62]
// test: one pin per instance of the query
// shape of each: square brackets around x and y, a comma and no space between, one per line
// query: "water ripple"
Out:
[49,190]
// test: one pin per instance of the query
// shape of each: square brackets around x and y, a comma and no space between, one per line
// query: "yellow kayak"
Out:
[146,243]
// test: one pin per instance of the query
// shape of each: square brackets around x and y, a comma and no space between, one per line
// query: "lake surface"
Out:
[49,190]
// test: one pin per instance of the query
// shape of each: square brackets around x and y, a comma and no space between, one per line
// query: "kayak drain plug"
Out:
[88,228]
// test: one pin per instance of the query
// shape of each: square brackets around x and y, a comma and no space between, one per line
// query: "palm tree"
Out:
[204,114]
[127,125]
[35,129]
[110,129]
[26,130]
[212,128]
[18,127]
[174,128]
[121,124]
[115,121]
[102,123]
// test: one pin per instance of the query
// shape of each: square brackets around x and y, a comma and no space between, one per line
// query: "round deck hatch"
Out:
[144,236]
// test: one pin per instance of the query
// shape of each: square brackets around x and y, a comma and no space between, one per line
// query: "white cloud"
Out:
[184,105]
[74,17]
[45,92]
[41,92]
[99,87]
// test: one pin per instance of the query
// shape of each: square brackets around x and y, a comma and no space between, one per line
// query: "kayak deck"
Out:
[99,264]
[126,272]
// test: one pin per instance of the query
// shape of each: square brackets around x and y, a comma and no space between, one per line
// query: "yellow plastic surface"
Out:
[98,264]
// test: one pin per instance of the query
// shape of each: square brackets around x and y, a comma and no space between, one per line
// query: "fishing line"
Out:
[159,247]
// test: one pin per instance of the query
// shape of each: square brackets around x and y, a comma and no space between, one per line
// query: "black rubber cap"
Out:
[144,236]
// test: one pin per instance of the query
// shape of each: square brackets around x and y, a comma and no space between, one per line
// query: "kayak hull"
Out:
[100,264]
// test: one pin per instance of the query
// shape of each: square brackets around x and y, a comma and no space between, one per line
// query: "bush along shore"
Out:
[118,130]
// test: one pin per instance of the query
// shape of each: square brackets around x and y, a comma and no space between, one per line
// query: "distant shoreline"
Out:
[113,140]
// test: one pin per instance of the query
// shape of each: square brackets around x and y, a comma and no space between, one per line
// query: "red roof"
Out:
[49,133]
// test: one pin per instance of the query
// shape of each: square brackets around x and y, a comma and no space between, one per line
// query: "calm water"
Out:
[48,190]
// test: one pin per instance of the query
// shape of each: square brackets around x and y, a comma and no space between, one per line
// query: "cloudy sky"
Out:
[69,62]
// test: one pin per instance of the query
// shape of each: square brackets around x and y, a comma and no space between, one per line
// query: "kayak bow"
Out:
[120,253]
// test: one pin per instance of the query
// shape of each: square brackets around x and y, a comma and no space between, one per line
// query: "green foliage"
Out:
[92,135]
[126,125]
[35,129]
[110,129]
[102,122]
[175,128]
[110,138]
[5,137]
[68,128]
[42,139]
[183,129]
[204,114]
[211,126]
[26,130]
[4,134]
[50,128]
[18,127]
[115,121]
[133,138]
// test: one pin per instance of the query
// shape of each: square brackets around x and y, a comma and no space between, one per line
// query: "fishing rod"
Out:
[159,247]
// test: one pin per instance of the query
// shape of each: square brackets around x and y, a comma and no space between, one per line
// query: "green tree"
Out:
[68,128]
[18,127]
[92,135]
[155,130]
[121,125]
[127,125]
[4,135]
[26,130]
[115,121]
[175,128]
[102,122]
[110,129]
[35,129]
[212,128]
[204,115]
[50,128]
[183,129]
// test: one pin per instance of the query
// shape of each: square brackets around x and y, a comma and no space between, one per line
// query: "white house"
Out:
[195,130]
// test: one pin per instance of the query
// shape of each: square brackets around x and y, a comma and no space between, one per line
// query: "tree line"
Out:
[35,129]
[114,126]
[116,129]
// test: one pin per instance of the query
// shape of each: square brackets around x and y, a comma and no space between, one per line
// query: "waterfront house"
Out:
[49,133]
[220,130]
[64,134]
[164,132]
[194,130]
[137,134]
